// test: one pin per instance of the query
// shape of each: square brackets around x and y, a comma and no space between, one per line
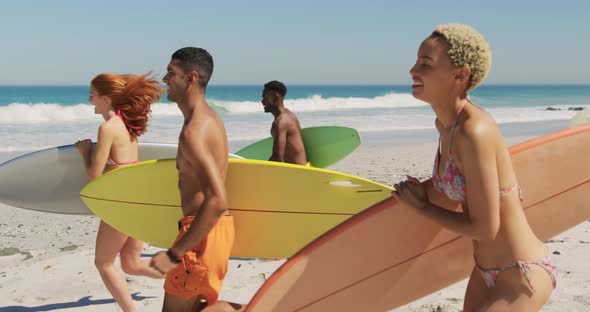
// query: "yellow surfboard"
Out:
[278,208]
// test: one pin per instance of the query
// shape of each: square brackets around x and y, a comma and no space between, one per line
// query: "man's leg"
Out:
[174,303]
[224,306]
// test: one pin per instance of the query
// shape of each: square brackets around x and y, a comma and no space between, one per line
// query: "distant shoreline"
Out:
[398,137]
[556,84]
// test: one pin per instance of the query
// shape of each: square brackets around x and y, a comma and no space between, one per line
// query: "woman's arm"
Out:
[476,146]
[96,162]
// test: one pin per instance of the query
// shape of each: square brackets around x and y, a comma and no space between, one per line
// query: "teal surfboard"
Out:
[324,145]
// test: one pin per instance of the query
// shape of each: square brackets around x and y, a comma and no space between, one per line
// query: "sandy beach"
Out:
[46,260]
[170,71]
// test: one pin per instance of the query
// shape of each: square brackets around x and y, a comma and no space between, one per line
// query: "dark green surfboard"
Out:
[324,145]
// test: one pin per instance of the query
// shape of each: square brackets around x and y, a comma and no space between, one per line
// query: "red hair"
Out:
[132,96]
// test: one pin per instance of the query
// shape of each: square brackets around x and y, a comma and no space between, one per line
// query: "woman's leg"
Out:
[131,261]
[109,242]
[475,293]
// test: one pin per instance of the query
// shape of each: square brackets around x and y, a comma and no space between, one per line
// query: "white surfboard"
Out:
[50,180]
[580,117]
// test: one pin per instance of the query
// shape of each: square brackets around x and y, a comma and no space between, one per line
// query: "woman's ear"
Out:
[107,100]
[463,73]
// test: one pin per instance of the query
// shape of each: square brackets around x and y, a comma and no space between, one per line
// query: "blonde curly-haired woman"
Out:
[513,271]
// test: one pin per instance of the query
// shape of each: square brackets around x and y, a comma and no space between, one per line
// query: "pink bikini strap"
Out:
[514,187]
[118,112]
[453,127]
[525,268]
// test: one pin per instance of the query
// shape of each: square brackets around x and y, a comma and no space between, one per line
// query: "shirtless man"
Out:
[197,261]
[286,132]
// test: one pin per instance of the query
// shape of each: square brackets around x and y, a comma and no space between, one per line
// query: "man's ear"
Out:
[193,77]
[277,96]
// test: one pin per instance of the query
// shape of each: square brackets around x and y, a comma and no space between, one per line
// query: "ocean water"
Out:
[36,117]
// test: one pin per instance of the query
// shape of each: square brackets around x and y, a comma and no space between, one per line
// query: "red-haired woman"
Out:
[124,103]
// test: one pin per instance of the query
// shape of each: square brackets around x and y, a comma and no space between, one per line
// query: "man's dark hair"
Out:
[276,86]
[196,59]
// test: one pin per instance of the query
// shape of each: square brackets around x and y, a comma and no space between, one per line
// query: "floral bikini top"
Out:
[452,181]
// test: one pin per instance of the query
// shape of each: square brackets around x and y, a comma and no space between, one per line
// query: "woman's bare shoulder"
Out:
[479,127]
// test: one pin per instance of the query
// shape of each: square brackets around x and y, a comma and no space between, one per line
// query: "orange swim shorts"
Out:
[203,268]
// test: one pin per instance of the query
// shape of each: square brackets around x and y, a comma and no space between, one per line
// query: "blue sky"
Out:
[299,42]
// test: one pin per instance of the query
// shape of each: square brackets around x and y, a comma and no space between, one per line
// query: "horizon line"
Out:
[326,85]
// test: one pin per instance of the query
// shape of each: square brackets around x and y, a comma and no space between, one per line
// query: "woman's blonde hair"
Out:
[467,47]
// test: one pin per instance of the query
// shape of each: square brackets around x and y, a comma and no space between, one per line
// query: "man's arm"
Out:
[198,155]
[215,204]
[279,140]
